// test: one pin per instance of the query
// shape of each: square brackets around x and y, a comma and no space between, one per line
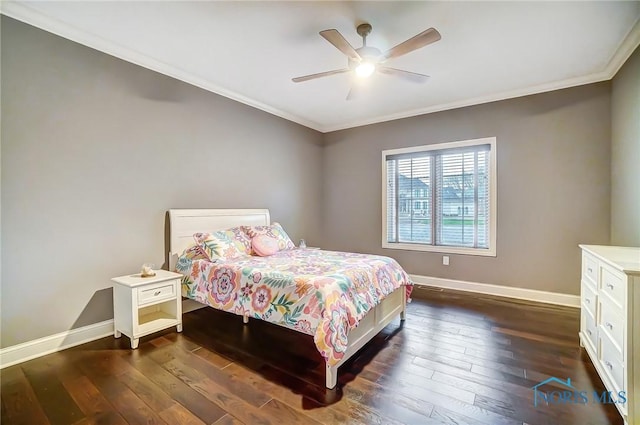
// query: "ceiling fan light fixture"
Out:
[365,69]
[364,61]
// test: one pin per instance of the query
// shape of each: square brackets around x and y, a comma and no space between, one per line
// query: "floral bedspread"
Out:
[320,293]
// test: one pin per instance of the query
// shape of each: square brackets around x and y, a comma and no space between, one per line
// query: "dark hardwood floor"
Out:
[459,359]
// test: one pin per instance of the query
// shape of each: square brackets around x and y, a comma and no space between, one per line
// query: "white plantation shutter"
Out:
[412,206]
[439,197]
[392,204]
[483,212]
[462,196]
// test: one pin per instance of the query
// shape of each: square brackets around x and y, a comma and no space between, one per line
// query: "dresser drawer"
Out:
[590,268]
[612,323]
[156,293]
[589,298]
[589,328]
[614,286]
[611,362]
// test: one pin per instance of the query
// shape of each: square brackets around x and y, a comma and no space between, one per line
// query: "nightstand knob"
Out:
[155,294]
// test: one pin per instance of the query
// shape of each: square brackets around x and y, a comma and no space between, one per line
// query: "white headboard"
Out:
[184,223]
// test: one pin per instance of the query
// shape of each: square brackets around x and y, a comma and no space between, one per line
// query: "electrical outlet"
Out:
[445,260]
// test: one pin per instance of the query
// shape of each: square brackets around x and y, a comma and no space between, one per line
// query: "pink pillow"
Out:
[264,245]
[275,231]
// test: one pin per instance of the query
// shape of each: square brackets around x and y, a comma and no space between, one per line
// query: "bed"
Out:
[340,299]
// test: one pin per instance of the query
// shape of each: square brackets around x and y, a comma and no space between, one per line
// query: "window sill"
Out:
[440,249]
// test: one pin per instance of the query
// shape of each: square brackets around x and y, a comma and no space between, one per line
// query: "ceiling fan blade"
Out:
[424,38]
[405,75]
[319,75]
[335,38]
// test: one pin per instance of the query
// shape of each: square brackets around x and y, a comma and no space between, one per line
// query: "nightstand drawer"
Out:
[156,293]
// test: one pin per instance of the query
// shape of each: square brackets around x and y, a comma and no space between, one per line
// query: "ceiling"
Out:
[249,51]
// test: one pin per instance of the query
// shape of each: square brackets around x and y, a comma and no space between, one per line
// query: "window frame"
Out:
[493,201]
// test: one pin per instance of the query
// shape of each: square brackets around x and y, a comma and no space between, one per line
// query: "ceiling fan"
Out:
[366,60]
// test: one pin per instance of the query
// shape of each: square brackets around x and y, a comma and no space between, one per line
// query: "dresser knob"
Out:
[590,270]
[609,285]
[609,365]
[609,325]
[587,300]
[155,294]
[589,332]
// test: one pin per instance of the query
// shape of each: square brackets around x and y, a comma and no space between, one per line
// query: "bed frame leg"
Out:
[245,319]
[332,376]
[403,312]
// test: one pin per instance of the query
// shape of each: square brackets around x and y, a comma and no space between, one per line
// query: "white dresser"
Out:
[610,320]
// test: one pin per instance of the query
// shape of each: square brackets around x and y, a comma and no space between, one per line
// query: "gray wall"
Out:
[553,154]
[95,151]
[625,154]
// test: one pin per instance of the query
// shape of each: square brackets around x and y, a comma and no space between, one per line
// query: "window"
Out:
[441,197]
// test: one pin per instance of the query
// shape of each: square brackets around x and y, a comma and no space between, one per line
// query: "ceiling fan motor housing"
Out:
[368,54]
[364,30]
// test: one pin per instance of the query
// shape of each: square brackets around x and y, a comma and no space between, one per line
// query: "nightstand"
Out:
[144,305]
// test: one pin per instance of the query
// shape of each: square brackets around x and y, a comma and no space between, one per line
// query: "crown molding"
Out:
[626,48]
[22,12]
[511,94]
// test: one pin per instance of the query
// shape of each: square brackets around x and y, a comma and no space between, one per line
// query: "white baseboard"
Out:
[500,291]
[50,344]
